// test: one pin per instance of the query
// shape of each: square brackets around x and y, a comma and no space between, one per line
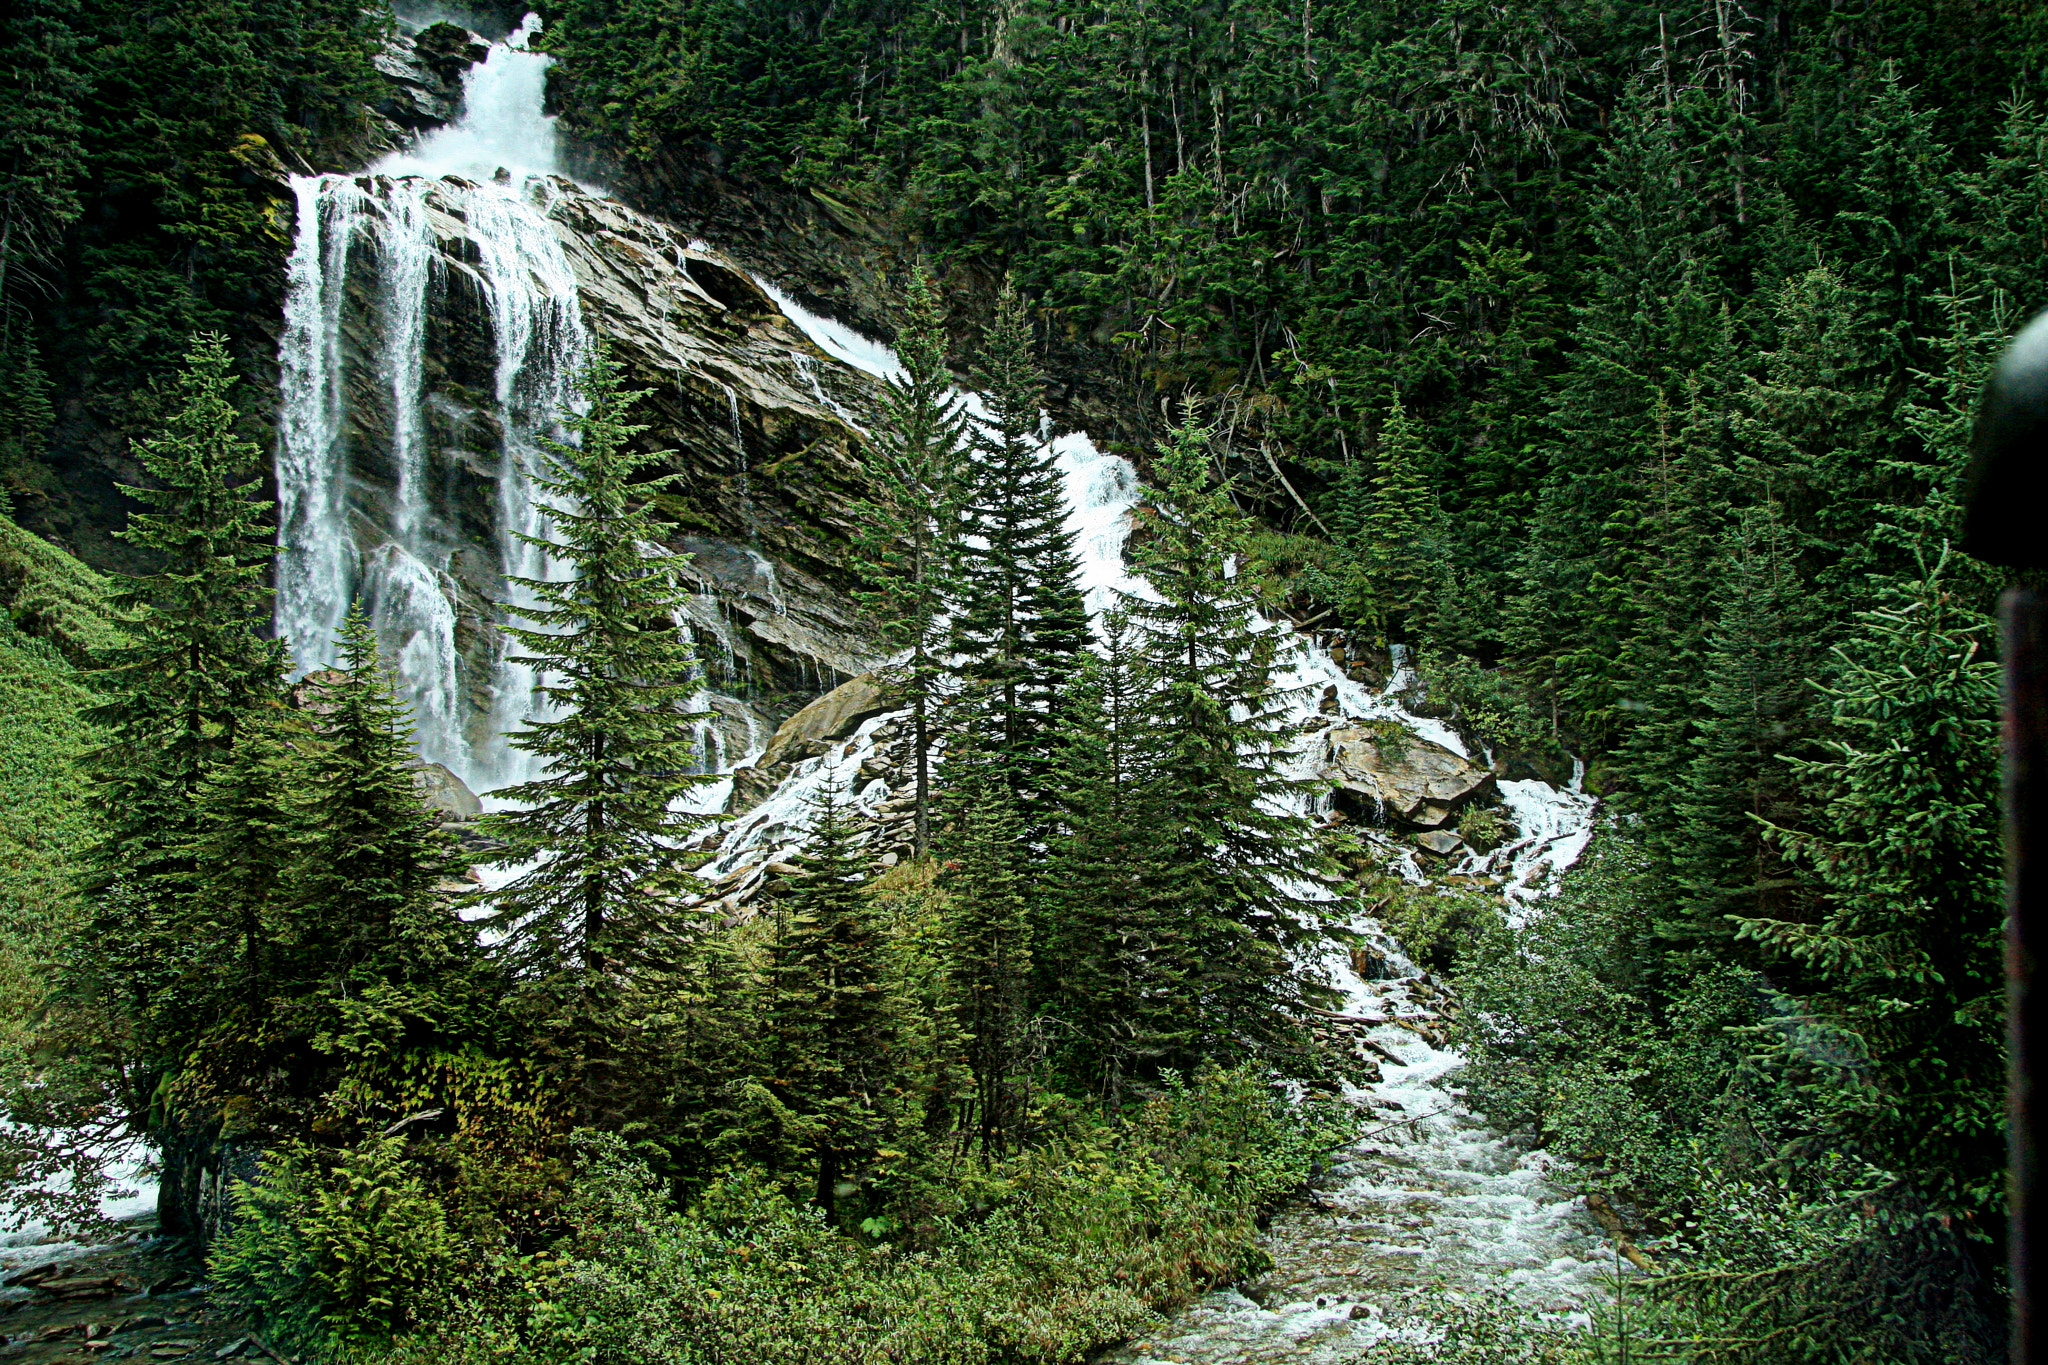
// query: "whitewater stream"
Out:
[1426,1193]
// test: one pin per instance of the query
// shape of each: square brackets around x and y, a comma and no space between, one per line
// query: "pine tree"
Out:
[1400,543]
[191,671]
[1907,860]
[908,534]
[984,858]
[831,1010]
[1232,848]
[367,907]
[1683,522]
[1753,698]
[598,827]
[246,861]
[1110,973]
[1020,625]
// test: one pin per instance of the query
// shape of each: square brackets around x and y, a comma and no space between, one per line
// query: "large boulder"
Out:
[1388,775]
[445,793]
[830,719]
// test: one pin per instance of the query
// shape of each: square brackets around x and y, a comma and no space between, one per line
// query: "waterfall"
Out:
[372,448]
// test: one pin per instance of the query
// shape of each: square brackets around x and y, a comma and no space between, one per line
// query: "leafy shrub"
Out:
[1435,925]
[1059,1250]
[335,1248]
[1774,1245]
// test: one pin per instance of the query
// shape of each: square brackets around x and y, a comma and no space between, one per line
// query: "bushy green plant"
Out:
[1064,1247]
[337,1248]
[1435,925]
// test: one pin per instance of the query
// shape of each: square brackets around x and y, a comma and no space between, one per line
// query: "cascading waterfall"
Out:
[365,273]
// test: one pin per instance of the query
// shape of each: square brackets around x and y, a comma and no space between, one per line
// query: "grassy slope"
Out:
[51,615]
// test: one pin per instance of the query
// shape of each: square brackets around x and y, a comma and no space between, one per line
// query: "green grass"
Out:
[51,615]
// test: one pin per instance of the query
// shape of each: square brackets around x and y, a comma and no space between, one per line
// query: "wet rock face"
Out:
[830,719]
[423,75]
[756,421]
[1388,775]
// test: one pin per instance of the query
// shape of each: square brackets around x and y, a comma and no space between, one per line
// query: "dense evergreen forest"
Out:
[1614,362]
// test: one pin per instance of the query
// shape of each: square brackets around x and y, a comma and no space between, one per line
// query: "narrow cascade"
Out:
[404,486]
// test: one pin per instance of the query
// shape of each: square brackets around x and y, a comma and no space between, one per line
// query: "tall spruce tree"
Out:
[1110,973]
[908,534]
[984,859]
[1401,542]
[1908,949]
[190,671]
[1020,625]
[597,833]
[831,1011]
[1234,855]
[368,909]
[1752,705]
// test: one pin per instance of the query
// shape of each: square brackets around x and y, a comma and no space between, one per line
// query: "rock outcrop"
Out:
[1386,775]
[830,719]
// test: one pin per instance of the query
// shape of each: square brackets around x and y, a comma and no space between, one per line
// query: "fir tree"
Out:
[1111,970]
[1400,542]
[247,859]
[908,534]
[190,672]
[1232,850]
[1020,624]
[1752,701]
[831,1011]
[599,826]
[984,857]
[1907,860]
[367,908]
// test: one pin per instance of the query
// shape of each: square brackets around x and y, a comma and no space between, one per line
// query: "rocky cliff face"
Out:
[432,326]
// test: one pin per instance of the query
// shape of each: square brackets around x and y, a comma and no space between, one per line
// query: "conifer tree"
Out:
[1906,857]
[1111,969]
[1751,704]
[246,859]
[830,1007]
[190,672]
[1232,850]
[1020,625]
[983,855]
[1401,540]
[1684,499]
[908,534]
[598,826]
[368,910]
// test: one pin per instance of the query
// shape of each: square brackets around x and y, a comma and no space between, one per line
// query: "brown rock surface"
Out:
[832,717]
[1400,777]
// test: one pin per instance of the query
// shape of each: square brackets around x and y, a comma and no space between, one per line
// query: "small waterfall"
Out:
[362,370]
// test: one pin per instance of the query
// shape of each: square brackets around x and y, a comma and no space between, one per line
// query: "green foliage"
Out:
[1019,625]
[190,669]
[1435,926]
[617,735]
[1210,745]
[1057,1250]
[908,536]
[831,1012]
[335,1248]
[1907,953]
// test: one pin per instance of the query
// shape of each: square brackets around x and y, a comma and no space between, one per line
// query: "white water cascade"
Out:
[371,453]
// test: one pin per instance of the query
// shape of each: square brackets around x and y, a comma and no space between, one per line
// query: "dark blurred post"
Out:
[2005,524]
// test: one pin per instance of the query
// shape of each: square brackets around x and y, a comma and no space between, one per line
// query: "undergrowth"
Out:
[1068,1246]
